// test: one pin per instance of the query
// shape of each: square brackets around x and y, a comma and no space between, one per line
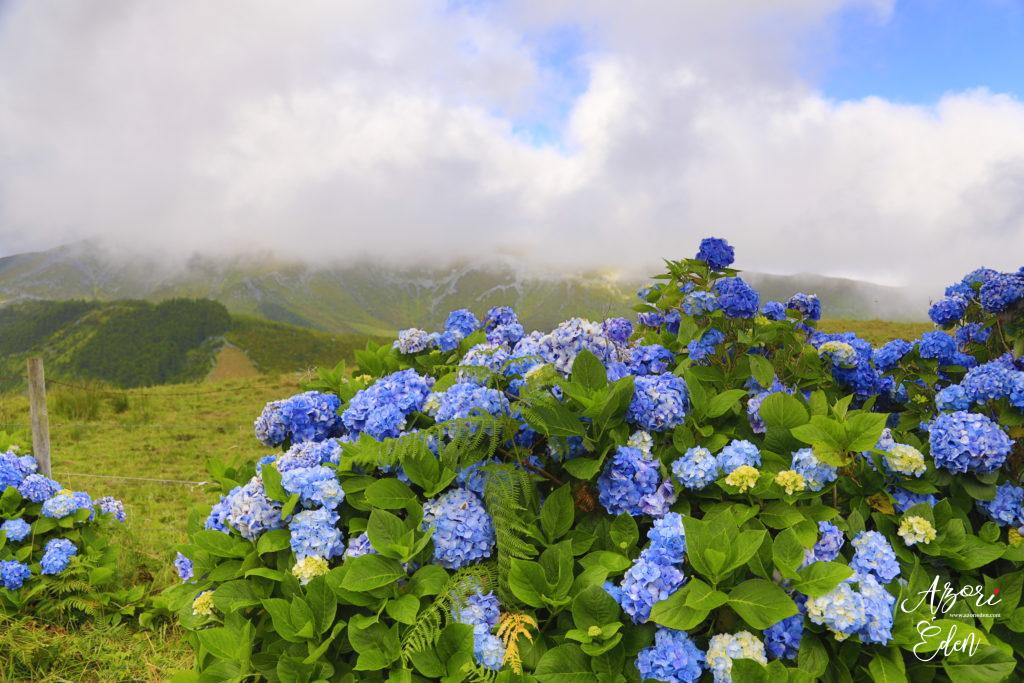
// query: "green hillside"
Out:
[138,343]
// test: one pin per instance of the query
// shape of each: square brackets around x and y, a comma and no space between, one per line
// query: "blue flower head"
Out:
[461,322]
[774,310]
[1007,508]
[878,610]
[737,453]
[37,488]
[16,529]
[650,319]
[14,468]
[310,416]
[646,582]
[13,574]
[889,354]
[873,555]
[653,359]
[463,399]
[505,335]
[968,442]
[412,340]
[463,530]
[716,252]
[358,546]
[619,330]
[696,469]
[903,500]
[314,533]
[700,303]
[736,298]
[380,410]
[315,485]
[629,482]
[782,639]
[816,474]
[57,555]
[673,658]
[490,356]
[250,512]
[184,567]
[112,506]
[562,345]
[829,543]
[948,310]
[660,402]
[668,539]
[807,305]
[1001,291]
[971,333]
[937,345]
[706,345]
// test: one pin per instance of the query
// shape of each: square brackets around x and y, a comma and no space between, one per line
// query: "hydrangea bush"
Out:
[56,559]
[714,491]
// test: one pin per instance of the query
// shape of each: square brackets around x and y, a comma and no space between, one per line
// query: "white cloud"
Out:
[331,130]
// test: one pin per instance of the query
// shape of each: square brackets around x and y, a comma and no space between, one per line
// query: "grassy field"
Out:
[148,435]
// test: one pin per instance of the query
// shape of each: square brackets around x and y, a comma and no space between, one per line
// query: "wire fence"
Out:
[152,480]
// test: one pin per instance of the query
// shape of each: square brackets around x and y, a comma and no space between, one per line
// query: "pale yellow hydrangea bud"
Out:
[308,568]
[790,480]
[202,606]
[1014,537]
[906,460]
[914,529]
[743,477]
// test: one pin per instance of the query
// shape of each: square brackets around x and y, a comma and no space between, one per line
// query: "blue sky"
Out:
[926,48]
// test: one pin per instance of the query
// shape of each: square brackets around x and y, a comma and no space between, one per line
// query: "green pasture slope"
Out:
[168,433]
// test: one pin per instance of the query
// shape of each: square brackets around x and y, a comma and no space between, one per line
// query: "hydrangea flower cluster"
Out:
[736,298]
[380,410]
[968,442]
[873,555]
[697,469]
[660,402]
[462,529]
[1007,507]
[247,510]
[716,252]
[314,533]
[808,306]
[631,483]
[723,648]
[464,399]
[481,611]
[815,473]
[656,573]
[310,416]
[674,658]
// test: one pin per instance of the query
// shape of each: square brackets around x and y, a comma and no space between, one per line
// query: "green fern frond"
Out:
[510,496]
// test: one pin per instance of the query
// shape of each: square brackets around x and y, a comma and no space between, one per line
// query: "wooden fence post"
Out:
[40,416]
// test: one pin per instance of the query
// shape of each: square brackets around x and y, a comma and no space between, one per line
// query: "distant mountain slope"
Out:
[374,299]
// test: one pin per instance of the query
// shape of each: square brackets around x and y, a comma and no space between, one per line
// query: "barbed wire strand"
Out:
[146,479]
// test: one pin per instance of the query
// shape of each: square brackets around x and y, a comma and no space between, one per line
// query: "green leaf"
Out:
[688,606]
[812,656]
[989,663]
[761,603]
[558,513]
[220,544]
[527,582]
[588,371]
[272,541]
[762,370]
[386,532]
[220,642]
[272,483]
[887,667]
[723,402]
[403,609]
[389,494]
[863,430]
[367,572]
[623,532]
[788,553]
[564,664]
[594,607]
[780,410]
[819,578]
[322,603]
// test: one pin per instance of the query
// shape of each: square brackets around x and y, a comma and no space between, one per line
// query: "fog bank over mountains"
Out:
[378,298]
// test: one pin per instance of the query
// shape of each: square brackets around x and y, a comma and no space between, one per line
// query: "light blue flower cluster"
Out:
[359,545]
[1007,507]
[463,530]
[413,340]
[889,354]
[737,453]
[873,555]
[65,504]
[971,333]
[491,358]
[13,574]
[57,555]
[723,648]
[16,530]
[968,442]
[700,303]
[673,658]
[782,639]
[112,506]
[631,483]
[481,611]
[619,330]
[807,305]
[310,416]
[1001,291]
[659,403]
[774,310]
[315,533]
[948,310]
[696,469]
[903,500]
[561,346]
[829,543]
[841,611]
[14,468]
[308,454]
[464,399]
[992,381]
[461,322]
[816,474]
[878,610]
[645,583]
[704,346]
[184,567]
[667,539]
[716,252]
[37,488]
[247,509]
[736,298]
[380,410]
[652,359]
[315,485]
[940,346]
[857,373]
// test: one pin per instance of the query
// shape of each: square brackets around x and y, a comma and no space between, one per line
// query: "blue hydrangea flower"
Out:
[736,298]
[463,530]
[991,381]
[816,474]
[807,305]
[1001,291]
[723,648]
[873,555]
[841,611]
[13,574]
[64,504]
[672,320]
[269,426]
[314,533]
[716,252]
[506,335]
[184,567]
[653,359]
[754,405]
[310,416]
[627,479]
[829,543]
[706,345]
[14,468]
[499,315]
[700,303]
[673,658]
[952,397]
[903,500]
[562,345]
[491,357]
[645,583]
[774,310]
[736,453]
[57,555]
[650,319]
[488,650]
[619,330]
[112,506]
[461,322]
[1007,508]
[696,469]
[479,610]
[527,354]
[968,442]
[889,354]
[938,345]
[412,340]
[315,485]
[659,403]
[380,410]
[878,610]
[971,333]
[37,488]
[250,512]
[16,529]
[948,310]
[358,546]
[310,454]
[668,539]
[445,341]
[782,639]
[464,399]
[217,520]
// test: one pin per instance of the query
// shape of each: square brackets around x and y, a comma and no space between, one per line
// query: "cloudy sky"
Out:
[881,139]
